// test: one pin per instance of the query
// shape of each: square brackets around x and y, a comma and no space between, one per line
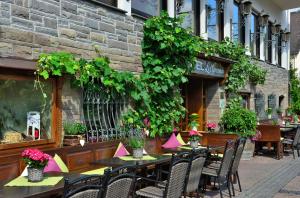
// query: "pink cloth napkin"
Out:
[121,151]
[52,166]
[172,142]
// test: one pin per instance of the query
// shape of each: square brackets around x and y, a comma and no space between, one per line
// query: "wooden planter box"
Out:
[72,140]
[216,139]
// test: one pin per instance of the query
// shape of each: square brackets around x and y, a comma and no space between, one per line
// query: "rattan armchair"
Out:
[83,187]
[175,183]
[222,172]
[118,182]
[295,144]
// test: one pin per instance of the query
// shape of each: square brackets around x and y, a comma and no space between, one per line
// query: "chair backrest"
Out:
[195,171]
[84,186]
[239,148]
[118,182]
[269,132]
[177,177]
[297,137]
[227,159]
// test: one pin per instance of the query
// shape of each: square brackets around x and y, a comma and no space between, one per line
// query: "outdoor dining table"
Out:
[140,163]
[185,148]
[37,191]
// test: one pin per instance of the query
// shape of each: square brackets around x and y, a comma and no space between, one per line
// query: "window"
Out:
[190,9]
[146,7]
[109,2]
[26,115]
[214,19]
[279,47]
[245,100]
[255,35]
[238,27]
[102,116]
[269,43]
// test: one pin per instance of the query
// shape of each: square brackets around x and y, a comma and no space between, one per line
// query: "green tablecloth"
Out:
[130,158]
[190,148]
[23,181]
[99,171]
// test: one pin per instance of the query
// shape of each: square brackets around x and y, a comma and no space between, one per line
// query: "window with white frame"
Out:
[146,7]
[190,9]
[255,35]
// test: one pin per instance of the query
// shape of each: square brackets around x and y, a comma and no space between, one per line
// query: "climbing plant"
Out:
[168,57]
[295,91]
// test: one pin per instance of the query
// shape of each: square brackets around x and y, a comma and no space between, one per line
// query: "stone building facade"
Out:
[31,27]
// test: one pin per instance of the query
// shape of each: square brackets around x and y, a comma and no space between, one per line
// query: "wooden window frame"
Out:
[279,49]
[269,45]
[56,120]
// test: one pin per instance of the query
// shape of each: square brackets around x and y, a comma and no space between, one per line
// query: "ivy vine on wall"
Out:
[168,57]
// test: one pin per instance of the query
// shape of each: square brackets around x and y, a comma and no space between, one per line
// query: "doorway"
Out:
[194,95]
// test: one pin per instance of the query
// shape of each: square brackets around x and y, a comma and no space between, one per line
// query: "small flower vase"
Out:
[194,143]
[137,153]
[269,116]
[35,174]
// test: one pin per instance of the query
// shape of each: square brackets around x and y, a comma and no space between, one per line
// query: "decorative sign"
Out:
[260,105]
[209,68]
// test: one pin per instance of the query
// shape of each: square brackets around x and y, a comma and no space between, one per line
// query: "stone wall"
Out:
[31,27]
[277,82]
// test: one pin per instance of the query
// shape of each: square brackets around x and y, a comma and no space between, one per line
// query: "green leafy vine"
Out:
[168,57]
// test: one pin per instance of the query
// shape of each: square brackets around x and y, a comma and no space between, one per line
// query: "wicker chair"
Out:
[195,171]
[240,145]
[119,182]
[295,144]
[175,183]
[222,173]
[83,187]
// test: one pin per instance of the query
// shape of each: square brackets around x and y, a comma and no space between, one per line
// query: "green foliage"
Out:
[269,111]
[136,142]
[294,91]
[74,128]
[194,120]
[239,120]
[168,57]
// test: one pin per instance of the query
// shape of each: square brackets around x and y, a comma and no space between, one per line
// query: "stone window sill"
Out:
[109,6]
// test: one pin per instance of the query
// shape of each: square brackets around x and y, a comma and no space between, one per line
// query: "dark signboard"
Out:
[209,68]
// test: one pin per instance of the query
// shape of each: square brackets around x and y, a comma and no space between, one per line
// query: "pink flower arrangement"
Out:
[35,158]
[194,135]
[211,125]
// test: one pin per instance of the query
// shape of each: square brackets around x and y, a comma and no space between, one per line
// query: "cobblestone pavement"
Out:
[263,177]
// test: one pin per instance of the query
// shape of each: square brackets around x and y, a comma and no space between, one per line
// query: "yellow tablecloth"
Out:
[130,158]
[23,181]
[190,148]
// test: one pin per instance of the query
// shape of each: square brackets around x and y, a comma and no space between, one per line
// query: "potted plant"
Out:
[211,126]
[74,133]
[137,145]
[194,138]
[194,121]
[269,112]
[36,161]
[241,121]
[289,111]
[279,112]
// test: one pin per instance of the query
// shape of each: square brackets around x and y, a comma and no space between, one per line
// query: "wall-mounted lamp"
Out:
[246,7]
[285,36]
[263,20]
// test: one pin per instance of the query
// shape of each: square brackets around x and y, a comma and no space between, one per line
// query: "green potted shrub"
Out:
[269,112]
[137,145]
[194,121]
[242,122]
[74,132]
